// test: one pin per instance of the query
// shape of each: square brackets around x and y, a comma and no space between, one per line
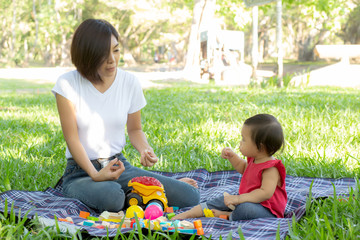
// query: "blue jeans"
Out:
[243,211]
[110,195]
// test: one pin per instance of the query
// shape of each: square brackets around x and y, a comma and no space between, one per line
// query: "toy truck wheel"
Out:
[157,201]
[133,199]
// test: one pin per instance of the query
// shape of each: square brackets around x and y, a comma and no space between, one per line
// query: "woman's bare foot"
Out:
[218,213]
[190,181]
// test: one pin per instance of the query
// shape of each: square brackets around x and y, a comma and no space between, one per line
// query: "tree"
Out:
[203,14]
[350,31]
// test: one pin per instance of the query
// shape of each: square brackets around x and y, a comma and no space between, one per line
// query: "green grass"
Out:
[188,125]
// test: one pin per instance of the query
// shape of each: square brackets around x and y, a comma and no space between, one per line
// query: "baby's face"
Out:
[247,146]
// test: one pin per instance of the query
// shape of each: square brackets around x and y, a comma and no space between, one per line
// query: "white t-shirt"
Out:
[101,117]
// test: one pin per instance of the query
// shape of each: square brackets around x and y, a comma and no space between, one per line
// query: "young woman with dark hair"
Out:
[95,102]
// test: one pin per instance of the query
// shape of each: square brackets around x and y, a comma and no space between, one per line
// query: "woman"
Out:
[95,102]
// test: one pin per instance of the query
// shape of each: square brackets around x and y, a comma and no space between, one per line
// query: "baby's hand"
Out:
[227,153]
[231,200]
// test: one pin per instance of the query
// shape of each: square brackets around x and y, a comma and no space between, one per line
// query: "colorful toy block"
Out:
[133,221]
[191,231]
[88,223]
[186,224]
[83,214]
[106,224]
[198,224]
[169,210]
[92,218]
[161,219]
[226,217]
[200,231]
[116,215]
[156,225]
[104,215]
[111,220]
[170,215]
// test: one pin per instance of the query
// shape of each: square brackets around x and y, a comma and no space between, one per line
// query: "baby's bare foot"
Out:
[218,213]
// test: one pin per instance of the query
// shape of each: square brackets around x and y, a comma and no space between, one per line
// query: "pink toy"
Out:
[153,211]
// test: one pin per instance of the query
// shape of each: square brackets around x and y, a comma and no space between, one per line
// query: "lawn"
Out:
[188,125]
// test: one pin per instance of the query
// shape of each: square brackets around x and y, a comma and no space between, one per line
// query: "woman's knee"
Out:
[113,201]
[103,196]
[183,197]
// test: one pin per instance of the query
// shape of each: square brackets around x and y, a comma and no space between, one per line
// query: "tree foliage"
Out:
[305,24]
[40,31]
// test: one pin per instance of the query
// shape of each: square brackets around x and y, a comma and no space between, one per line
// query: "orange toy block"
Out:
[198,224]
[226,217]
[200,231]
[169,209]
[84,214]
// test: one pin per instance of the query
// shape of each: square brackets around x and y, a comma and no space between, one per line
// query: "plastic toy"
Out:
[130,212]
[153,211]
[170,215]
[208,213]
[169,209]
[198,226]
[146,190]
[83,214]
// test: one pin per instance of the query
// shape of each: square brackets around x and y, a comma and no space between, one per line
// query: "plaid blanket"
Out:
[211,184]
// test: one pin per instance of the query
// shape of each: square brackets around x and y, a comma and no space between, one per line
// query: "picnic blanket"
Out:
[51,202]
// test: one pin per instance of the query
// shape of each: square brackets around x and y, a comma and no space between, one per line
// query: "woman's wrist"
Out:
[93,174]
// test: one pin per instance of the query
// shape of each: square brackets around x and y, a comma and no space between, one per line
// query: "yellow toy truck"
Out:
[145,190]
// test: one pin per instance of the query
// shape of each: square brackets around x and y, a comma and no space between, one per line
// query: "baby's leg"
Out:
[248,210]
[195,212]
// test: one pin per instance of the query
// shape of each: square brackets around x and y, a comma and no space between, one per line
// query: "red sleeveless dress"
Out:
[251,180]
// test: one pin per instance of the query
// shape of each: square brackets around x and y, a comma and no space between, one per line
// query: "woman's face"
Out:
[108,68]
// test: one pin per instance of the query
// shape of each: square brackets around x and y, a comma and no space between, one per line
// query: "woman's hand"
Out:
[148,157]
[110,172]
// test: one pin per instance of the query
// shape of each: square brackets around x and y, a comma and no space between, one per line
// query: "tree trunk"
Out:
[192,57]
[203,14]
[128,57]
[36,26]
[13,27]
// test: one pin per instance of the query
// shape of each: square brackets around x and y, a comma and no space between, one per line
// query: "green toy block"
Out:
[170,215]
[92,218]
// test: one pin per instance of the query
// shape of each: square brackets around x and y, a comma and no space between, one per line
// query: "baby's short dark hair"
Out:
[266,131]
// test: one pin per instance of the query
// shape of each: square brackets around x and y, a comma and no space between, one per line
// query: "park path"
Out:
[159,75]
[50,75]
